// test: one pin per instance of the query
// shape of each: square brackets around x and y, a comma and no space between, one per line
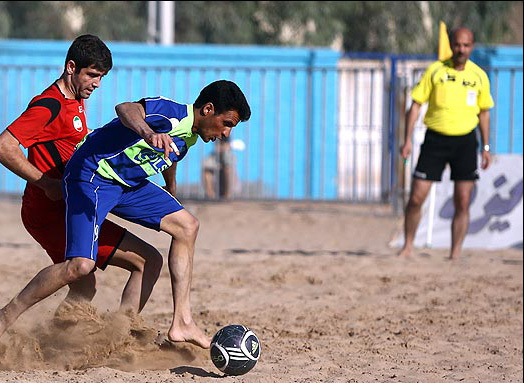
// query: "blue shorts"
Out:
[89,201]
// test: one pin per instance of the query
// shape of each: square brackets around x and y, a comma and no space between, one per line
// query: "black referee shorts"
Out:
[437,150]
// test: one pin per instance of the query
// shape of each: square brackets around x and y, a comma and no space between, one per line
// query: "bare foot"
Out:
[406,252]
[189,333]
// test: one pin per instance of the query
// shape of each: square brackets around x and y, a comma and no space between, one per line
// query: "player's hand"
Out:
[406,149]
[486,159]
[53,189]
[162,141]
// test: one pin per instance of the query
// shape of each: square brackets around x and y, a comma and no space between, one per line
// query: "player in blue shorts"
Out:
[108,173]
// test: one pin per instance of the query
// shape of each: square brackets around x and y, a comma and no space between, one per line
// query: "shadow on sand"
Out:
[194,371]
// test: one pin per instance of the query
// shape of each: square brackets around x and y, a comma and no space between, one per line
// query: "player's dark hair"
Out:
[224,95]
[87,50]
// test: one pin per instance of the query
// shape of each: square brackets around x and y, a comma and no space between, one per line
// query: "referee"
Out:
[458,95]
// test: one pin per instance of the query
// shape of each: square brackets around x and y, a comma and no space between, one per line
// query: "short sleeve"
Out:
[422,90]
[160,123]
[158,105]
[162,114]
[29,128]
[485,101]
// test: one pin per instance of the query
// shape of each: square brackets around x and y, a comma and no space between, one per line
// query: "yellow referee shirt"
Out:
[455,97]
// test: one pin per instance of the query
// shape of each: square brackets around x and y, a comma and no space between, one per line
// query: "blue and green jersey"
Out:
[117,153]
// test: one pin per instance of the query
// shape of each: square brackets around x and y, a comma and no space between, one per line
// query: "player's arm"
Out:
[170,177]
[420,94]
[484,120]
[132,115]
[410,127]
[12,157]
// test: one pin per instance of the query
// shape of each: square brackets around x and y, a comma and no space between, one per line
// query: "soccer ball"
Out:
[235,349]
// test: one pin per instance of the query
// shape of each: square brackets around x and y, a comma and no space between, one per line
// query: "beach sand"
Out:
[316,282]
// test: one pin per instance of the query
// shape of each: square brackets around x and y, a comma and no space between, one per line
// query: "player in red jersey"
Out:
[50,128]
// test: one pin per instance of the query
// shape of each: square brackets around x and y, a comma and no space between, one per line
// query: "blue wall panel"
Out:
[291,139]
[286,121]
[504,68]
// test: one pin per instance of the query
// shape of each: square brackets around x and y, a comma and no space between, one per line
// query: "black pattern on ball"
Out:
[235,350]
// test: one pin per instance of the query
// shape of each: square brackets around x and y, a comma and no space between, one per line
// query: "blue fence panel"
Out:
[292,93]
[292,138]
[503,64]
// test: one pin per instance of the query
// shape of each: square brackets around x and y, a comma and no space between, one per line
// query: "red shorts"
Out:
[46,224]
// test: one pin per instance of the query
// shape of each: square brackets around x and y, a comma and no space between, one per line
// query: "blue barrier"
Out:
[503,64]
[290,138]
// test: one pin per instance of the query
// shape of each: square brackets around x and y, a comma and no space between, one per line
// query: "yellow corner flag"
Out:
[444,49]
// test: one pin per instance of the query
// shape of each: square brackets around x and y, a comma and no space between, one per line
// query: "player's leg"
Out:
[464,173]
[46,282]
[419,192]
[151,206]
[459,227]
[434,153]
[226,180]
[116,247]
[46,224]
[82,290]
[209,183]
[144,263]
[210,169]
[82,205]
[183,228]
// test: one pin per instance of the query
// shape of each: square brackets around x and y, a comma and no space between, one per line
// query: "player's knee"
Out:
[415,201]
[461,204]
[191,226]
[78,268]
[181,226]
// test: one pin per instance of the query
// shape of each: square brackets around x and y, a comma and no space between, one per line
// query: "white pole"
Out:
[431,214]
[152,21]
[167,22]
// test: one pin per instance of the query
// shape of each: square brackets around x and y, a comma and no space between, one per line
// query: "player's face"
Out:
[462,46]
[216,126]
[86,81]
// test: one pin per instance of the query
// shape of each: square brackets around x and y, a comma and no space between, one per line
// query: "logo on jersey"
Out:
[154,159]
[77,123]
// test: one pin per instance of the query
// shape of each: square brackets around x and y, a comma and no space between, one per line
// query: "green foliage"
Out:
[218,22]
[116,20]
[255,22]
[35,20]
[487,20]
[383,26]
[372,26]
[55,20]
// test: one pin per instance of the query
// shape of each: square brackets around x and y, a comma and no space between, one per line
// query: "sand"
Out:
[317,283]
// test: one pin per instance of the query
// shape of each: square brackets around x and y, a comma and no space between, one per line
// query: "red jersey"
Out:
[50,128]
